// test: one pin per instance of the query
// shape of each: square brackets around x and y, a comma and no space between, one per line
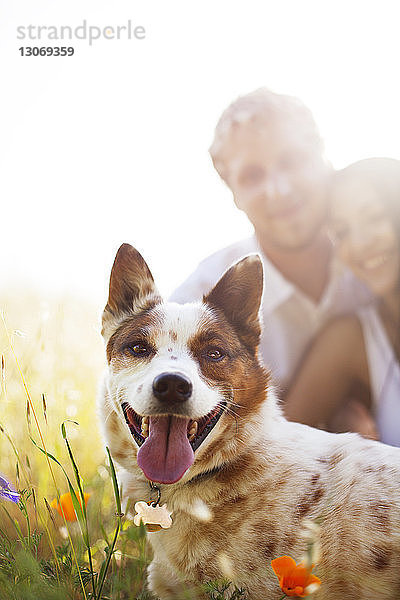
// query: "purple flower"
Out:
[7,491]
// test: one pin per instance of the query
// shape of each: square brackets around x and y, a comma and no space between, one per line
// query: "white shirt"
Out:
[290,318]
[384,376]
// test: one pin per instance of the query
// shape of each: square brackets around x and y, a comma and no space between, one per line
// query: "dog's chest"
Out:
[237,539]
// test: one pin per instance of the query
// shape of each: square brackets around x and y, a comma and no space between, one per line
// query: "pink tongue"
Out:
[166,454]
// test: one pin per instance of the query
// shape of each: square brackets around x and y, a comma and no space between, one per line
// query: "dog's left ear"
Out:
[238,294]
[132,285]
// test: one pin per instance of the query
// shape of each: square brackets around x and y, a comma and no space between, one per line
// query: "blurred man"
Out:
[269,152]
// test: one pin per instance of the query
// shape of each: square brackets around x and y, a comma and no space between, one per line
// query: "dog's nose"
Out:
[172,387]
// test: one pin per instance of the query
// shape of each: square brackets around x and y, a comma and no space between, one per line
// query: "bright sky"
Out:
[110,145]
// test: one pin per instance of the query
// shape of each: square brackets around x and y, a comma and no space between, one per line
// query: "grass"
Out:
[50,444]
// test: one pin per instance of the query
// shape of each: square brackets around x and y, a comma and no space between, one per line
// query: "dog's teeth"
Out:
[145,427]
[194,427]
[193,430]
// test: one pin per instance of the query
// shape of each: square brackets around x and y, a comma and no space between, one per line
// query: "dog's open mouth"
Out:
[197,431]
[167,442]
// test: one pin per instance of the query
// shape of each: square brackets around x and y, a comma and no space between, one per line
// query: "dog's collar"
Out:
[156,517]
[156,488]
[206,474]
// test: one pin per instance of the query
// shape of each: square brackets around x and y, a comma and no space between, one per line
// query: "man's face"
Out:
[279,179]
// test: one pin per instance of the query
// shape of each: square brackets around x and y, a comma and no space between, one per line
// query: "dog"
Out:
[187,404]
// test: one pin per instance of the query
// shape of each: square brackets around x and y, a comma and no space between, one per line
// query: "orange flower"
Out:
[295,580]
[67,506]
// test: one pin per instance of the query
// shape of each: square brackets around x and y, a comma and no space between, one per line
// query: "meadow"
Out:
[52,358]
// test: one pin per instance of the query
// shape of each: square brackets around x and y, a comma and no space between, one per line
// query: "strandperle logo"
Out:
[86,32]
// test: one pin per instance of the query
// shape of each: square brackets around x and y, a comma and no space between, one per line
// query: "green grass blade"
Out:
[117,530]
[115,483]
[50,456]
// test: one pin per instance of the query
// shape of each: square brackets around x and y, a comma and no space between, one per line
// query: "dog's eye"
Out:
[215,354]
[138,349]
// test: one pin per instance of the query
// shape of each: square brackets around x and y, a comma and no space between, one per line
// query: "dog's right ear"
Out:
[132,285]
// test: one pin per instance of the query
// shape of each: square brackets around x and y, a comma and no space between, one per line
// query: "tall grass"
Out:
[52,357]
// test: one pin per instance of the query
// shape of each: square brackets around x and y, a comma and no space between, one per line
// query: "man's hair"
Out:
[262,107]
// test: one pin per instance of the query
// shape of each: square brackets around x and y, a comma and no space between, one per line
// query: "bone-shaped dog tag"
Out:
[153,516]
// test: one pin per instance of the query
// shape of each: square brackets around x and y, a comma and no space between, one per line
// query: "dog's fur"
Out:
[256,478]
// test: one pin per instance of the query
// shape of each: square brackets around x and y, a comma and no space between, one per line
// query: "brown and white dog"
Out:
[186,403]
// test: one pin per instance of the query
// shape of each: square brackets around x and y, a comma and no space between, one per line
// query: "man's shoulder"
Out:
[224,258]
[210,270]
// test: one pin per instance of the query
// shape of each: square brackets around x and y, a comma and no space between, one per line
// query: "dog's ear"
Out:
[238,294]
[132,285]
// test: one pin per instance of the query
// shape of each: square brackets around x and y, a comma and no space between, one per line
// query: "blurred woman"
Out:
[358,355]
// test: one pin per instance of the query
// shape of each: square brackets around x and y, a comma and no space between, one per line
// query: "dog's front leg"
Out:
[163,583]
